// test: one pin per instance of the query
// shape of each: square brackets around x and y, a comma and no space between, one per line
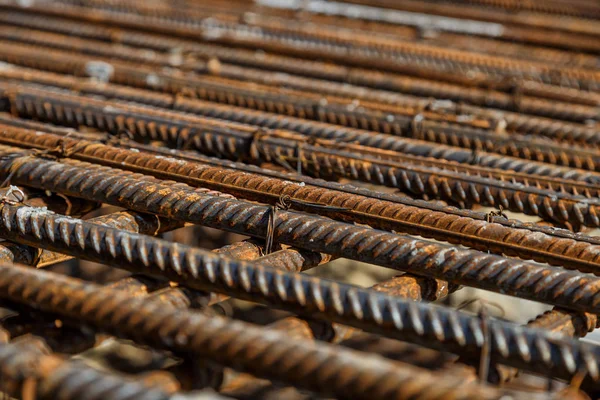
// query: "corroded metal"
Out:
[212,336]
[26,369]
[234,33]
[389,315]
[270,119]
[413,123]
[569,210]
[148,195]
[568,323]
[188,130]
[131,222]
[388,213]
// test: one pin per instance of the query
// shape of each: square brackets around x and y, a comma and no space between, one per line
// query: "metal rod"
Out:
[215,338]
[368,310]
[572,211]
[546,245]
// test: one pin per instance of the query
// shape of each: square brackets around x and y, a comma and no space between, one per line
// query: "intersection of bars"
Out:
[371,131]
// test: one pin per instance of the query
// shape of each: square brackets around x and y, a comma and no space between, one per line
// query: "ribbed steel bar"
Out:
[269,61]
[482,14]
[26,370]
[278,38]
[316,367]
[434,33]
[404,15]
[445,39]
[92,182]
[542,246]
[141,286]
[155,124]
[555,184]
[289,259]
[69,339]
[61,204]
[568,323]
[406,286]
[384,122]
[131,222]
[187,12]
[191,373]
[368,310]
[33,330]
[572,211]
[533,76]
[244,386]
[135,286]
[517,17]
[67,63]
[155,103]
[583,10]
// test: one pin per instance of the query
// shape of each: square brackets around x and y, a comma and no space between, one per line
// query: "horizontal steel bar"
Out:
[368,310]
[573,211]
[52,377]
[216,338]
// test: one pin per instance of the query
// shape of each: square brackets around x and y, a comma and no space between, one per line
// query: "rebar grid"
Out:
[547,246]
[567,210]
[243,35]
[212,337]
[67,109]
[413,123]
[371,311]
[137,134]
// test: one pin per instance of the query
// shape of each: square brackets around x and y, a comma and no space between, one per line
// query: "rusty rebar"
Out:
[568,323]
[571,210]
[244,386]
[125,189]
[541,182]
[490,68]
[471,227]
[390,121]
[377,12]
[446,39]
[145,95]
[112,115]
[248,57]
[239,34]
[26,370]
[128,221]
[211,337]
[368,310]
[69,63]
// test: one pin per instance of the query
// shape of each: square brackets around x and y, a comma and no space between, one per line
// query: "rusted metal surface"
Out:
[301,230]
[207,336]
[269,38]
[103,49]
[131,222]
[417,123]
[175,128]
[204,271]
[568,323]
[569,210]
[28,371]
[133,75]
[170,167]
[544,245]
